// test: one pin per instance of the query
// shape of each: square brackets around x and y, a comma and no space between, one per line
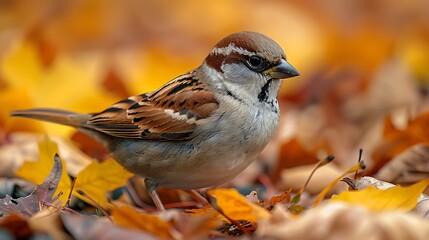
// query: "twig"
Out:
[70,193]
[320,164]
[213,202]
[359,160]
[95,203]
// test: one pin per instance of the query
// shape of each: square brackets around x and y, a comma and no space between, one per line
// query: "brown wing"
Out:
[170,113]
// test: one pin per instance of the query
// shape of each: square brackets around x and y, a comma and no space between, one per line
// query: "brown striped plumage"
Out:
[200,129]
[170,113]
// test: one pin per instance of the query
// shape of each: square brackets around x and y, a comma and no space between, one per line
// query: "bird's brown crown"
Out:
[238,47]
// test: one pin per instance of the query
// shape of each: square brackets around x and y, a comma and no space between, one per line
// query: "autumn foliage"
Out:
[362,96]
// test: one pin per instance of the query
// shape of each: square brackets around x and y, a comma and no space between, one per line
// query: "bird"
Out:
[200,129]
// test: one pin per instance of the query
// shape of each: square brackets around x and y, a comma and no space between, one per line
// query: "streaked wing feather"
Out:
[170,113]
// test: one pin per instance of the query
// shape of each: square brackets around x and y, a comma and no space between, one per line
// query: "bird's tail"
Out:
[54,115]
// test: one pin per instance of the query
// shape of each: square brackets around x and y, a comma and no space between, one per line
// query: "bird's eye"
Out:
[257,63]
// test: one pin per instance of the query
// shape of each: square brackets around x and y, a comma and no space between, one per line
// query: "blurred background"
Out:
[364,64]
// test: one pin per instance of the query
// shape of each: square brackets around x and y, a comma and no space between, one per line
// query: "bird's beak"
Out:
[283,70]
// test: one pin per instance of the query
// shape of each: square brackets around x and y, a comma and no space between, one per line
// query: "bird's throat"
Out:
[264,93]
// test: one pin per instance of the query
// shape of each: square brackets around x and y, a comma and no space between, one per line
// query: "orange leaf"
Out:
[284,197]
[397,141]
[293,154]
[236,206]
[128,217]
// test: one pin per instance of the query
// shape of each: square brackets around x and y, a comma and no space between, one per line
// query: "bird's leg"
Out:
[151,186]
[198,197]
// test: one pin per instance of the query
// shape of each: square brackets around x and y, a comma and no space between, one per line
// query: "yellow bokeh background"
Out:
[84,55]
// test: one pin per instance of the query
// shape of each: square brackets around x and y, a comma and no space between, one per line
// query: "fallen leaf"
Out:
[35,172]
[410,166]
[422,206]
[15,225]
[282,198]
[99,178]
[397,141]
[48,221]
[35,202]
[337,220]
[90,146]
[204,211]
[92,227]
[239,228]
[95,180]
[293,154]
[45,192]
[236,206]
[128,217]
[294,178]
[323,193]
[194,226]
[395,198]
[23,147]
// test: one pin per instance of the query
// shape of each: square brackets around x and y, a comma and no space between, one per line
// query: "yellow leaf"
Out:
[128,217]
[13,99]
[99,178]
[236,206]
[395,198]
[21,67]
[95,180]
[146,71]
[36,172]
[323,193]
[71,82]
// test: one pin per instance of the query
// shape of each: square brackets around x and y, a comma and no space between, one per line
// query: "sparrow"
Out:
[200,129]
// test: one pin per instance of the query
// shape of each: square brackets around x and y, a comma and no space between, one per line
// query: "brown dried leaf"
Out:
[296,177]
[48,221]
[293,154]
[91,227]
[397,140]
[341,221]
[408,167]
[282,198]
[194,226]
[16,225]
[33,203]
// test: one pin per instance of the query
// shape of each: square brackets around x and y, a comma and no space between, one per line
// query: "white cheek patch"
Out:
[229,49]
[239,73]
[217,78]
